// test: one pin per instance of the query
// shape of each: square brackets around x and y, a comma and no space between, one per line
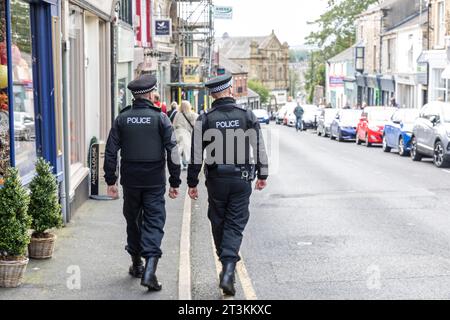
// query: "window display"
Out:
[4,114]
[24,125]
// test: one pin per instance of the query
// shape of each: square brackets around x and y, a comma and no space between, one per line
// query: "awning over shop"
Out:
[372,81]
[185,85]
[387,84]
[361,80]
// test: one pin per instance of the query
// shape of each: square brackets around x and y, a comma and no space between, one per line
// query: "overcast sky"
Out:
[258,17]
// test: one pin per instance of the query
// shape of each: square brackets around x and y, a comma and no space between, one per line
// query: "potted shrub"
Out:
[45,211]
[14,225]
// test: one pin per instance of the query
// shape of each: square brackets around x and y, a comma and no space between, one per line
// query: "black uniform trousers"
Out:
[228,211]
[145,213]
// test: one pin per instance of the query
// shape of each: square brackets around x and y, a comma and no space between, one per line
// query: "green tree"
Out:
[14,218]
[335,33]
[44,206]
[260,89]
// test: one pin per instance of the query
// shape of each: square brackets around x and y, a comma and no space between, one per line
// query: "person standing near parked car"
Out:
[184,123]
[298,112]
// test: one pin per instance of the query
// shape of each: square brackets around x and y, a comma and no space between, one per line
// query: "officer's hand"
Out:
[173,193]
[260,185]
[193,193]
[113,192]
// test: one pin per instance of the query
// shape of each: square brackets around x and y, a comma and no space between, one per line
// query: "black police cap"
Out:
[143,84]
[219,83]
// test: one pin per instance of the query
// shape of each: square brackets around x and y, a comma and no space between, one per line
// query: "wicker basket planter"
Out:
[42,248]
[11,272]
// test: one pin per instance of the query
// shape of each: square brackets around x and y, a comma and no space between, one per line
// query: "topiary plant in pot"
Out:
[14,225]
[44,210]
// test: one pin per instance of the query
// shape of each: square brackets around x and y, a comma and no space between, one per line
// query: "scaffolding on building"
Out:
[194,32]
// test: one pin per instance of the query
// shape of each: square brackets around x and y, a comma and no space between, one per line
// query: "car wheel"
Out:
[319,133]
[331,136]
[439,156]
[386,148]
[402,148]
[368,144]
[358,142]
[415,156]
[340,136]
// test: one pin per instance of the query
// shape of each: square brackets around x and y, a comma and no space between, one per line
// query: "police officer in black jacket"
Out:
[145,138]
[235,155]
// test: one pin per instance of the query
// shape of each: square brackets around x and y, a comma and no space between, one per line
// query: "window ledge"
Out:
[77,175]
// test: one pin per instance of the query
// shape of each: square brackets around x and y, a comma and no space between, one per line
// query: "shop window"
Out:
[122,99]
[4,110]
[76,70]
[439,85]
[24,117]
[125,11]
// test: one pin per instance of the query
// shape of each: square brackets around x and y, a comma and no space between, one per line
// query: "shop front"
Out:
[30,115]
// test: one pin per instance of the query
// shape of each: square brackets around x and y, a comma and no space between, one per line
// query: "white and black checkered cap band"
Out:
[145,90]
[221,87]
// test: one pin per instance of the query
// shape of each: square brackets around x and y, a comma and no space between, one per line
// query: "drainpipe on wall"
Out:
[66,124]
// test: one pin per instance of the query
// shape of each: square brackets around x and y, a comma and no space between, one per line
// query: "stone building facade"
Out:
[266,59]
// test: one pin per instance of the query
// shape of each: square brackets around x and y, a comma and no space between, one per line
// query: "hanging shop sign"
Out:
[222,12]
[163,27]
[191,70]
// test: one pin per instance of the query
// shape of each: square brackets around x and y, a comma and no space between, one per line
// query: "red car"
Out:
[371,125]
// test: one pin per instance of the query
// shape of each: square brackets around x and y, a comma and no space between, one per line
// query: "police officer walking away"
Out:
[229,171]
[145,138]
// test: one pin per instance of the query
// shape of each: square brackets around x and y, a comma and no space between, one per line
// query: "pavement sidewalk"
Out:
[92,246]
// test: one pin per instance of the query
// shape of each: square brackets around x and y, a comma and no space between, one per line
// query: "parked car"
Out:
[371,125]
[324,121]
[311,116]
[290,118]
[24,128]
[280,115]
[397,133]
[431,134]
[262,115]
[343,127]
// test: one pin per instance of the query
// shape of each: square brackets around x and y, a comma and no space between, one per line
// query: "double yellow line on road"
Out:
[184,275]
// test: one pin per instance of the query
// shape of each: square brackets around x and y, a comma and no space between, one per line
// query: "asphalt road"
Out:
[339,221]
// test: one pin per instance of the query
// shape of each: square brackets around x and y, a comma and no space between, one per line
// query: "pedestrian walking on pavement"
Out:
[229,175]
[157,102]
[298,112]
[172,111]
[145,138]
[184,126]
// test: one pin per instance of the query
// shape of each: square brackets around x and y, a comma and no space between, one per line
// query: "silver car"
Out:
[431,134]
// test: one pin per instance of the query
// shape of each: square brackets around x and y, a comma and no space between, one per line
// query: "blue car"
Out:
[262,115]
[397,133]
[343,127]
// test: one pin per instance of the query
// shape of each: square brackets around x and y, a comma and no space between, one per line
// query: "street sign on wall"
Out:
[222,12]
[336,81]
[163,27]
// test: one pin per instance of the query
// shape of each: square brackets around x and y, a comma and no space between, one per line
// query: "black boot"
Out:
[149,279]
[137,268]
[227,278]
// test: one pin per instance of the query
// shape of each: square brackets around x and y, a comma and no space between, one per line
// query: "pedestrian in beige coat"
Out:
[183,124]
